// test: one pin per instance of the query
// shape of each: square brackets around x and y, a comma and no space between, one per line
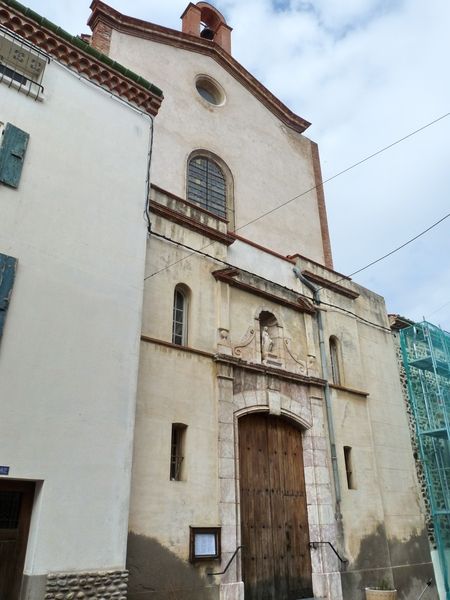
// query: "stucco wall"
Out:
[269,162]
[69,353]
[185,394]
[384,532]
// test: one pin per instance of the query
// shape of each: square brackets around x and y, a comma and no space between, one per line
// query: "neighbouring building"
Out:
[424,360]
[74,167]
[272,454]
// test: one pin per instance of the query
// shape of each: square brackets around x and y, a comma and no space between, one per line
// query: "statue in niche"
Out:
[270,335]
[266,343]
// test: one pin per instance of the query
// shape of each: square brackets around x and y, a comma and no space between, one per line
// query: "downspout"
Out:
[323,359]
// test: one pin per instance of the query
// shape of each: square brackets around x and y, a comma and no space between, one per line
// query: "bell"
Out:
[207,33]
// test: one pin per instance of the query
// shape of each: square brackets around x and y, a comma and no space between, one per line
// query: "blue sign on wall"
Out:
[4,470]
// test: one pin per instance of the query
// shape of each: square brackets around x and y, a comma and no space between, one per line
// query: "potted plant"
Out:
[382,591]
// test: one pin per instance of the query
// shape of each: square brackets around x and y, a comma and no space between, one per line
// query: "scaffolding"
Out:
[426,358]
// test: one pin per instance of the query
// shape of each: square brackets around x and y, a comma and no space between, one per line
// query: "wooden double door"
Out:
[16,502]
[276,557]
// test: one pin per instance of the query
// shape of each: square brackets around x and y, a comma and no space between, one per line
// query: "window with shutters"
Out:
[13,145]
[209,184]
[180,315]
[7,272]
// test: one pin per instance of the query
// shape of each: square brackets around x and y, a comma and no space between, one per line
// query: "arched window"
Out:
[180,309]
[334,358]
[206,185]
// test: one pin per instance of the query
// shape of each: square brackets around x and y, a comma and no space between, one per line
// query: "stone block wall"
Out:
[100,585]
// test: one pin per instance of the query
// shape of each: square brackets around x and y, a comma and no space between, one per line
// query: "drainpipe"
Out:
[323,359]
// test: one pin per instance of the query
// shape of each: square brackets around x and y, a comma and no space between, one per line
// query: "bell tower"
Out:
[205,21]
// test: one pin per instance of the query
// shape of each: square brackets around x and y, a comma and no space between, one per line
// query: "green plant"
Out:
[384,585]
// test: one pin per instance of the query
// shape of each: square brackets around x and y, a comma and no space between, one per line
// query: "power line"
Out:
[438,309]
[227,264]
[374,262]
[382,327]
[315,187]
[360,162]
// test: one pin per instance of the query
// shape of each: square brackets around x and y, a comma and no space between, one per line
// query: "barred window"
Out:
[207,185]
[177,451]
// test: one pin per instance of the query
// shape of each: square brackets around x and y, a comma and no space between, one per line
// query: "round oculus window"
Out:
[210,91]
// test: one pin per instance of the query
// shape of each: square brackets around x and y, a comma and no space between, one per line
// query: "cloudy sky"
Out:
[365,73]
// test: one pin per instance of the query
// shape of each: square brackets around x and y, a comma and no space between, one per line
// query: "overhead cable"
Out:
[223,262]
[374,262]
[315,187]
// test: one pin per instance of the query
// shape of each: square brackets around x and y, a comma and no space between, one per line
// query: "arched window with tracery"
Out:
[207,185]
[180,315]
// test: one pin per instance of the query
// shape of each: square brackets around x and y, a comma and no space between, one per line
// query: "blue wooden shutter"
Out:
[12,153]
[7,271]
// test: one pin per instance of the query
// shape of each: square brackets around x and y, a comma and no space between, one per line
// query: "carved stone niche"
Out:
[270,340]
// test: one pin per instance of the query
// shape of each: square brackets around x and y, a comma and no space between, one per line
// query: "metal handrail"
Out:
[228,563]
[429,582]
[316,544]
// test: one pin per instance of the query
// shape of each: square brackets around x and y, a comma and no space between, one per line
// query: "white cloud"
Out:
[365,72]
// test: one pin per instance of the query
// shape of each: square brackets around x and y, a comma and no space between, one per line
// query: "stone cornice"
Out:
[261,287]
[262,248]
[239,363]
[186,221]
[188,203]
[273,371]
[188,349]
[102,13]
[330,285]
[344,388]
[79,56]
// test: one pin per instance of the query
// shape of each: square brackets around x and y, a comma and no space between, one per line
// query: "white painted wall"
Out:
[69,353]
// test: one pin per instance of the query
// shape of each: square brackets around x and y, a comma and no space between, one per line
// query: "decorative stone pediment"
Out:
[258,286]
[268,343]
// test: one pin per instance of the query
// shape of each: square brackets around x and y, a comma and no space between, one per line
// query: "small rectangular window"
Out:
[349,467]
[177,451]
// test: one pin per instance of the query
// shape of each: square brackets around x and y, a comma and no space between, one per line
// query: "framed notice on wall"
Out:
[204,543]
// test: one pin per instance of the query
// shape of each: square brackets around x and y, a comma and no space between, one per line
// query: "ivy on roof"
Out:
[84,46]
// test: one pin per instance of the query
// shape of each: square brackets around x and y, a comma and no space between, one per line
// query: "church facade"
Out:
[272,456]
[254,439]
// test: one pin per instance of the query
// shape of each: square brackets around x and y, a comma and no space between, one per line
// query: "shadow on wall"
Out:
[405,565]
[155,573]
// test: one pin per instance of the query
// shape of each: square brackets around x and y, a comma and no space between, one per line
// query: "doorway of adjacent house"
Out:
[16,503]
[276,559]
